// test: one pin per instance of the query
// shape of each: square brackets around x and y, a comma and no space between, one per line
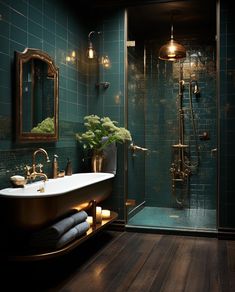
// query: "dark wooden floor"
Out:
[128,261]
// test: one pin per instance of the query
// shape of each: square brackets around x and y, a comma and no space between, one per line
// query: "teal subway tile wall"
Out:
[110,101]
[162,104]
[56,28]
[153,119]
[227,117]
[59,30]
[53,27]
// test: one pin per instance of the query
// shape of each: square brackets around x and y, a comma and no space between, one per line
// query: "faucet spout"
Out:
[39,150]
[33,175]
[31,171]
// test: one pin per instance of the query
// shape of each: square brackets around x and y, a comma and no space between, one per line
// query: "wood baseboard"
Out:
[117,225]
[226,233]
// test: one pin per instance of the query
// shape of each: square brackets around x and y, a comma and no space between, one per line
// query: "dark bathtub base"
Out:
[19,217]
[27,255]
[31,214]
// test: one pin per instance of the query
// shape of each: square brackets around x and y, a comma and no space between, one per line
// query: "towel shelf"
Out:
[66,249]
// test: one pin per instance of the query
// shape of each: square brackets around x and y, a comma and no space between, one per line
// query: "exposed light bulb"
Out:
[68,58]
[106,62]
[90,53]
[171,50]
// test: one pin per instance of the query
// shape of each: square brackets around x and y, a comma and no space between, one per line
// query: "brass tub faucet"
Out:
[31,172]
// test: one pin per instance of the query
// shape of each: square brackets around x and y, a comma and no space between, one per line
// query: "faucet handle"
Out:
[27,169]
[40,166]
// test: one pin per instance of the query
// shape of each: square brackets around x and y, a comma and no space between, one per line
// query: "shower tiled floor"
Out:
[193,219]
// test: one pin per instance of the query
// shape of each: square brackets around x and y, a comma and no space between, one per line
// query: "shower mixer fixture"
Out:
[182,167]
[134,148]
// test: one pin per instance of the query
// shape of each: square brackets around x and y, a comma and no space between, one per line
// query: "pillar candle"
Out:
[105,214]
[90,220]
[98,214]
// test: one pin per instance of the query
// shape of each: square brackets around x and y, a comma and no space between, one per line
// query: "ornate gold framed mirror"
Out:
[36,97]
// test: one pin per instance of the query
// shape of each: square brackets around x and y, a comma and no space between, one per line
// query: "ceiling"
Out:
[150,19]
[193,17]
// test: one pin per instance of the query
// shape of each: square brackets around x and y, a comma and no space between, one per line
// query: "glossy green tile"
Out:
[14,46]
[34,29]
[71,96]
[34,42]
[5,93]
[49,9]
[61,31]
[18,20]
[5,80]
[49,49]
[38,4]
[35,15]
[5,109]
[4,62]
[198,219]
[5,45]
[49,23]
[20,6]
[4,29]
[5,12]
[18,35]
[49,37]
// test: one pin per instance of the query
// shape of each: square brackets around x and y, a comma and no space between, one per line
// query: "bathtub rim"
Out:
[12,191]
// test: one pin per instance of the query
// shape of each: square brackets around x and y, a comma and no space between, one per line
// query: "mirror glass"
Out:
[37,97]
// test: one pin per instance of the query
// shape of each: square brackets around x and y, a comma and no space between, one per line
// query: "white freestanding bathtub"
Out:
[28,209]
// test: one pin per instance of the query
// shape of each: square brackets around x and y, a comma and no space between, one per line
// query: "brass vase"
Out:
[97,161]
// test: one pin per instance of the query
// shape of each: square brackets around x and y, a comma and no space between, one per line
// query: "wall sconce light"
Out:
[106,62]
[90,50]
[71,57]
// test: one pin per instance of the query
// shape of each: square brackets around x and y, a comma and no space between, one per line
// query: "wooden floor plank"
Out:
[111,272]
[197,276]
[131,262]
[153,265]
[175,276]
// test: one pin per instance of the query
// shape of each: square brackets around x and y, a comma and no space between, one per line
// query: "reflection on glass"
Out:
[38,91]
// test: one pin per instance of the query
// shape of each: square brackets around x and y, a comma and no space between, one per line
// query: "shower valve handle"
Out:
[213,152]
[135,148]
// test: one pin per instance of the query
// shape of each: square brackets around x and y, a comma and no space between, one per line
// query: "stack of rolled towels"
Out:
[60,233]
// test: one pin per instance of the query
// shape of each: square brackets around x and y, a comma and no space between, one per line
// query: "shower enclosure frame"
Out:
[217,149]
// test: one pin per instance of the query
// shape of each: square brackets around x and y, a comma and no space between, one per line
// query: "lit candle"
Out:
[98,214]
[105,214]
[89,220]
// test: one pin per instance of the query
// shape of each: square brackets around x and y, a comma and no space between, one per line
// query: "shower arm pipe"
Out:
[172,31]
[181,112]
[180,159]
[180,107]
[195,164]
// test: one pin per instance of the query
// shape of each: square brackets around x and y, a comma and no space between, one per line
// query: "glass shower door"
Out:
[136,125]
[156,197]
